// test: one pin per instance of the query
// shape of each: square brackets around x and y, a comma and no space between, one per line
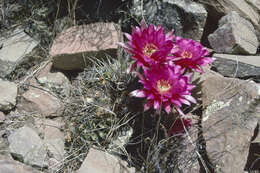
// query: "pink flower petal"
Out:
[156,105]
[138,93]
[131,68]
[167,107]
[148,105]
[190,98]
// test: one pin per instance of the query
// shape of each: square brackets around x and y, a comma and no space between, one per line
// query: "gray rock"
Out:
[8,95]
[234,35]
[242,7]
[8,165]
[101,162]
[2,117]
[53,136]
[187,18]
[14,49]
[28,147]
[237,65]
[98,40]
[229,121]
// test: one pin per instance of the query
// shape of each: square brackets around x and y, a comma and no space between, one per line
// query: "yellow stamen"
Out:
[149,49]
[163,86]
[186,54]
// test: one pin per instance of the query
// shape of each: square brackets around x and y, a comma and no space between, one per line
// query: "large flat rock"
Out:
[229,120]
[72,49]
[242,66]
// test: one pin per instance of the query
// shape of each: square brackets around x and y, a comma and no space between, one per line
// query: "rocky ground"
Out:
[64,92]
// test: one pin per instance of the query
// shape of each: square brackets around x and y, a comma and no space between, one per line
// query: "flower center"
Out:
[186,54]
[163,86]
[149,49]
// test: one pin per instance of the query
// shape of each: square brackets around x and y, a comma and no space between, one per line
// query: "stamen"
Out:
[186,54]
[163,86]
[149,49]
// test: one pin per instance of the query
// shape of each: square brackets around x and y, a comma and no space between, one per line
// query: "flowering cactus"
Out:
[148,45]
[165,85]
[190,54]
[165,60]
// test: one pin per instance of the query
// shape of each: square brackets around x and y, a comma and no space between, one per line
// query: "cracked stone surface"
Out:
[229,120]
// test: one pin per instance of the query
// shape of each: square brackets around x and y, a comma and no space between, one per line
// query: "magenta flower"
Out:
[178,126]
[165,85]
[190,54]
[148,45]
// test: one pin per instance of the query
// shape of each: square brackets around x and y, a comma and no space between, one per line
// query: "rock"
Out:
[53,136]
[247,10]
[228,38]
[40,101]
[56,82]
[229,121]
[27,146]
[101,162]
[85,42]
[8,95]
[2,117]
[10,59]
[187,18]
[237,65]
[8,165]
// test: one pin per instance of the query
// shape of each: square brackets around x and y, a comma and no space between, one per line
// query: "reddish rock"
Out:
[73,47]
[40,101]
[229,121]
[52,81]
[100,162]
